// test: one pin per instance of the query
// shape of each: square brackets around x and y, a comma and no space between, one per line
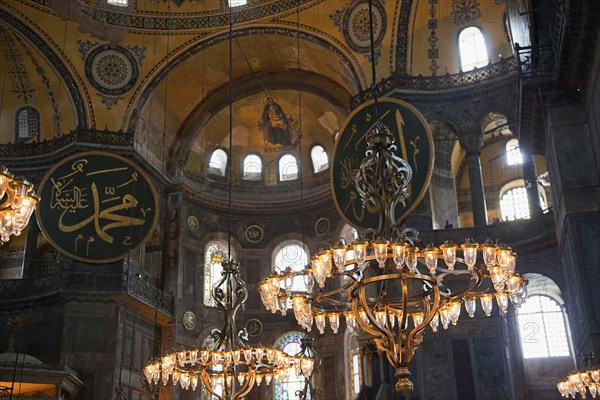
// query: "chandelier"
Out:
[17,202]
[582,382]
[228,368]
[383,283]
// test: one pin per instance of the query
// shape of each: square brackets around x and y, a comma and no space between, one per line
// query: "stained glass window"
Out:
[288,168]
[319,159]
[252,168]
[291,343]
[292,254]
[473,52]
[216,252]
[237,3]
[27,124]
[542,328]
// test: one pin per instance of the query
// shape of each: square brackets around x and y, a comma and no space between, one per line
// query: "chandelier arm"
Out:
[476,281]
[248,383]
[205,378]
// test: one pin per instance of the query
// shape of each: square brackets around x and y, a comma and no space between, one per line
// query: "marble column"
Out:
[472,145]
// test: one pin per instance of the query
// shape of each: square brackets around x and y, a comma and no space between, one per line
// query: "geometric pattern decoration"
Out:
[111,70]
[355,25]
[464,11]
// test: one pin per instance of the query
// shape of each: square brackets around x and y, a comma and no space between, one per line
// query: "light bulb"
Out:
[435,322]
[320,323]
[488,248]
[470,253]
[350,320]
[412,258]
[417,318]
[449,253]
[399,253]
[360,252]
[430,254]
[339,256]
[380,247]
[471,305]
[486,304]
[334,321]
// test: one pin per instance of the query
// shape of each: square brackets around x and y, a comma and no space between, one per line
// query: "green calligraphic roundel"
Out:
[97,207]
[413,142]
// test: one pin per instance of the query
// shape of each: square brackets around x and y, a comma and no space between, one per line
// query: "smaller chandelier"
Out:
[582,382]
[17,202]
[228,369]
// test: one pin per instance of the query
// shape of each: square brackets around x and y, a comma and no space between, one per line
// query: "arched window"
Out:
[218,162]
[473,52]
[215,253]
[319,159]
[513,154]
[514,204]
[542,328]
[252,169]
[353,367]
[27,124]
[290,343]
[292,254]
[237,3]
[288,168]
[120,3]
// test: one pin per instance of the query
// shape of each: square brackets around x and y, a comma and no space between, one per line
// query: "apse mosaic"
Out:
[270,125]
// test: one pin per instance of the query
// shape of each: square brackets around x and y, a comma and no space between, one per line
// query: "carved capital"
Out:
[471,143]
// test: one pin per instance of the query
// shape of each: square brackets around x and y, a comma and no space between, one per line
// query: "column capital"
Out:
[471,143]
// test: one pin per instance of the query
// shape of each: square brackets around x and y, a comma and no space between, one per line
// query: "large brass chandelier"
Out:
[228,368]
[17,202]
[383,283]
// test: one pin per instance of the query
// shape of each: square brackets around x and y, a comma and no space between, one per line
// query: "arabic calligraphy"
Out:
[414,144]
[100,206]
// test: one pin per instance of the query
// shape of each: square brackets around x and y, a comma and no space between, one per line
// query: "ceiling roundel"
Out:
[111,70]
[356,25]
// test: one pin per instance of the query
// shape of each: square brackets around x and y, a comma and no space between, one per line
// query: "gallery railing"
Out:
[69,281]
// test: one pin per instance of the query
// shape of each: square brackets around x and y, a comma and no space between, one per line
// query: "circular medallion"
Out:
[254,233]
[111,70]
[322,226]
[192,223]
[189,320]
[254,327]
[96,207]
[413,142]
[356,25]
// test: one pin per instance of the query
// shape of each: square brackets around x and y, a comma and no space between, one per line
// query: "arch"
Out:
[252,167]
[72,83]
[217,164]
[472,49]
[319,158]
[288,168]
[27,124]
[318,83]
[290,343]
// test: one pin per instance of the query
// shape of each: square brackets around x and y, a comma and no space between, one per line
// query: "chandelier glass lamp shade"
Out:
[582,382]
[17,202]
[387,286]
[228,369]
